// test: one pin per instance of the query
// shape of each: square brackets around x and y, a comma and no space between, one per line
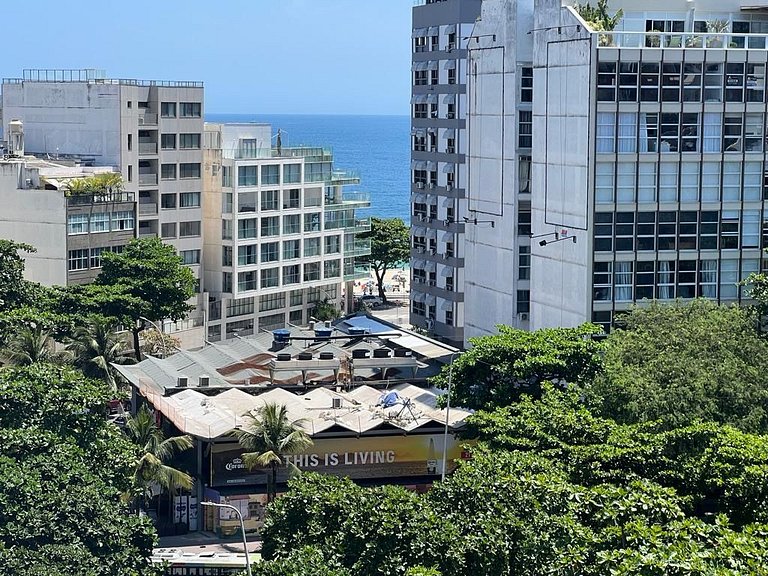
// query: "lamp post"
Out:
[242,529]
[162,336]
[447,414]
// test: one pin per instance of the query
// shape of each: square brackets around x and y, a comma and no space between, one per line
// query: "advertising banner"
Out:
[356,458]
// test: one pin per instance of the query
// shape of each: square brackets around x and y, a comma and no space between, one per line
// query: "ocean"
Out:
[376,147]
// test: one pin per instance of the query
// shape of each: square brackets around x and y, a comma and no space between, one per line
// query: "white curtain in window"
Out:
[666,281]
[623,280]
[709,278]
[627,132]
[689,182]
[525,174]
[713,132]
[606,131]
[646,182]
[643,132]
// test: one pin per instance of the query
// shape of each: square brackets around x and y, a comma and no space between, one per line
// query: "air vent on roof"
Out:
[322,333]
[381,353]
[182,381]
[283,357]
[305,356]
[402,353]
[356,331]
[360,353]
[281,335]
[326,355]
[336,402]
[204,381]
[327,323]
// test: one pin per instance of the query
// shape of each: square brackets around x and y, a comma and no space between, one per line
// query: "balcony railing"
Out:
[147,148]
[147,179]
[147,208]
[686,40]
[147,119]
[360,247]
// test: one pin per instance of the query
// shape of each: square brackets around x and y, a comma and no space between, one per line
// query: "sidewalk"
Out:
[403,291]
[197,542]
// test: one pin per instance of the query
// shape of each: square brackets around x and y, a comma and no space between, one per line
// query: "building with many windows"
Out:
[280,231]
[438,149]
[647,165]
[150,131]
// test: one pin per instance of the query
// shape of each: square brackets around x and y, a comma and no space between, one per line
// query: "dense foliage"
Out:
[63,469]
[684,362]
[390,245]
[498,369]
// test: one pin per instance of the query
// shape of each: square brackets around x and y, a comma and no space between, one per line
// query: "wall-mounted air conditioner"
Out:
[420,185]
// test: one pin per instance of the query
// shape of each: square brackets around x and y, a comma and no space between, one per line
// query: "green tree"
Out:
[267,437]
[598,17]
[325,310]
[14,289]
[390,245]
[63,469]
[95,347]
[28,345]
[498,369]
[156,452]
[160,344]
[684,362]
[153,277]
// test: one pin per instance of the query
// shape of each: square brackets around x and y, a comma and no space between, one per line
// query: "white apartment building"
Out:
[151,131]
[438,154]
[279,231]
[647,161]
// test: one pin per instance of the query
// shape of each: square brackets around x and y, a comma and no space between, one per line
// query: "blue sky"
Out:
[255,56]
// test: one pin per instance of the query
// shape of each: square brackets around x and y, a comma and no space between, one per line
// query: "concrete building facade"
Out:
[438,155]
[647,161]
[280,231]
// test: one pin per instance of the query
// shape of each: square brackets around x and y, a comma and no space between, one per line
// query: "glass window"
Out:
[689,181]
[524,223]
[291,274]
[713,83]
[292,198]
[649,82]
[189,141]
[226,202]
[226,282]
[226,255]
[100,222]
[332,244]
[167,171]
[122,220]
[168,109]
[713,132]
[226,176]
[732,133]
[606,81]
[708,230]
[189,170]
[525,129]
[311,247]
[750,229]
[168,230]
[96,256]
[332,269]
[665,279]
[623,281]
[168,201]
[753,132]
[692,79]
[686,279]
[291,173]
[523,301]
[270,277]
[187,229]
[729,229]
[247,255]
[312,222]
[247,175]
[78,260]
[247,228]
[627,132]
[646,232]
[271,302]
[729,279]
[688,230]
[189,200]
[190,256]
[270,199]
[668,182]
[604,182]
[670,132]
[311,271]
[710,182]
[526,84]
[247,280]
[291,224]
[624,232]
[731,181]
[190,109]
[689,141]
[291,249]
[270,252]
[524,262]
[270,174]
[246,201]
[606,132]
[239,307]
[270,226]
[644,280]
[752,181]
[168,141]
[625,182]
[646,182]
[667,230]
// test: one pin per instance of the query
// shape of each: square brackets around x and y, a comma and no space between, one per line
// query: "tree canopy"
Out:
[498,369]
[390,245]
[684,362]
[63,469]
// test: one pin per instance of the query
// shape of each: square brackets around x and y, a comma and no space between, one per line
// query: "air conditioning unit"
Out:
[182,382]
[433,251]
[448,187]
[420,185]
[204,381]
[420,250]
[432,185]
[450,115]
[523,316]
[336,403]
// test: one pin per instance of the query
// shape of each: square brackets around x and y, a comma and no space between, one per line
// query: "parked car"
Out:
[371,300]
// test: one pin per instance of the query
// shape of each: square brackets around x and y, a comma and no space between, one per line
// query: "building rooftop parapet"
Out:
[686,40]
[93,76]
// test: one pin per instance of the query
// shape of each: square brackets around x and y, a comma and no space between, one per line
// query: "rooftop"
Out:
[93,76]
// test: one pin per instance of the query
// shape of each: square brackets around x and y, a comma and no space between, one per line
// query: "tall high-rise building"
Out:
[647,170]
[438,151]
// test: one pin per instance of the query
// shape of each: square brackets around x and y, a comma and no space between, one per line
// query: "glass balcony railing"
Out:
[351,224]
[360,247]
[655,39]
[348,200]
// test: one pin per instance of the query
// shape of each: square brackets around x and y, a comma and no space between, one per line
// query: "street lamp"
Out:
[242,529]
[162,334]
[447,413]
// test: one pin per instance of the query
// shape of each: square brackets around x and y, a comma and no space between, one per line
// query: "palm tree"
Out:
[268,437]
[156,451]
[29,345]
[96,347]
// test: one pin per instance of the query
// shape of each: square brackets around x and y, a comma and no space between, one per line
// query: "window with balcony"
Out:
[291,173]
[311,271]
[247,281]
[270,174]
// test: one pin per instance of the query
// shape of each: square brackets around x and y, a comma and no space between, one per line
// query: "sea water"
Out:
[376,147]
